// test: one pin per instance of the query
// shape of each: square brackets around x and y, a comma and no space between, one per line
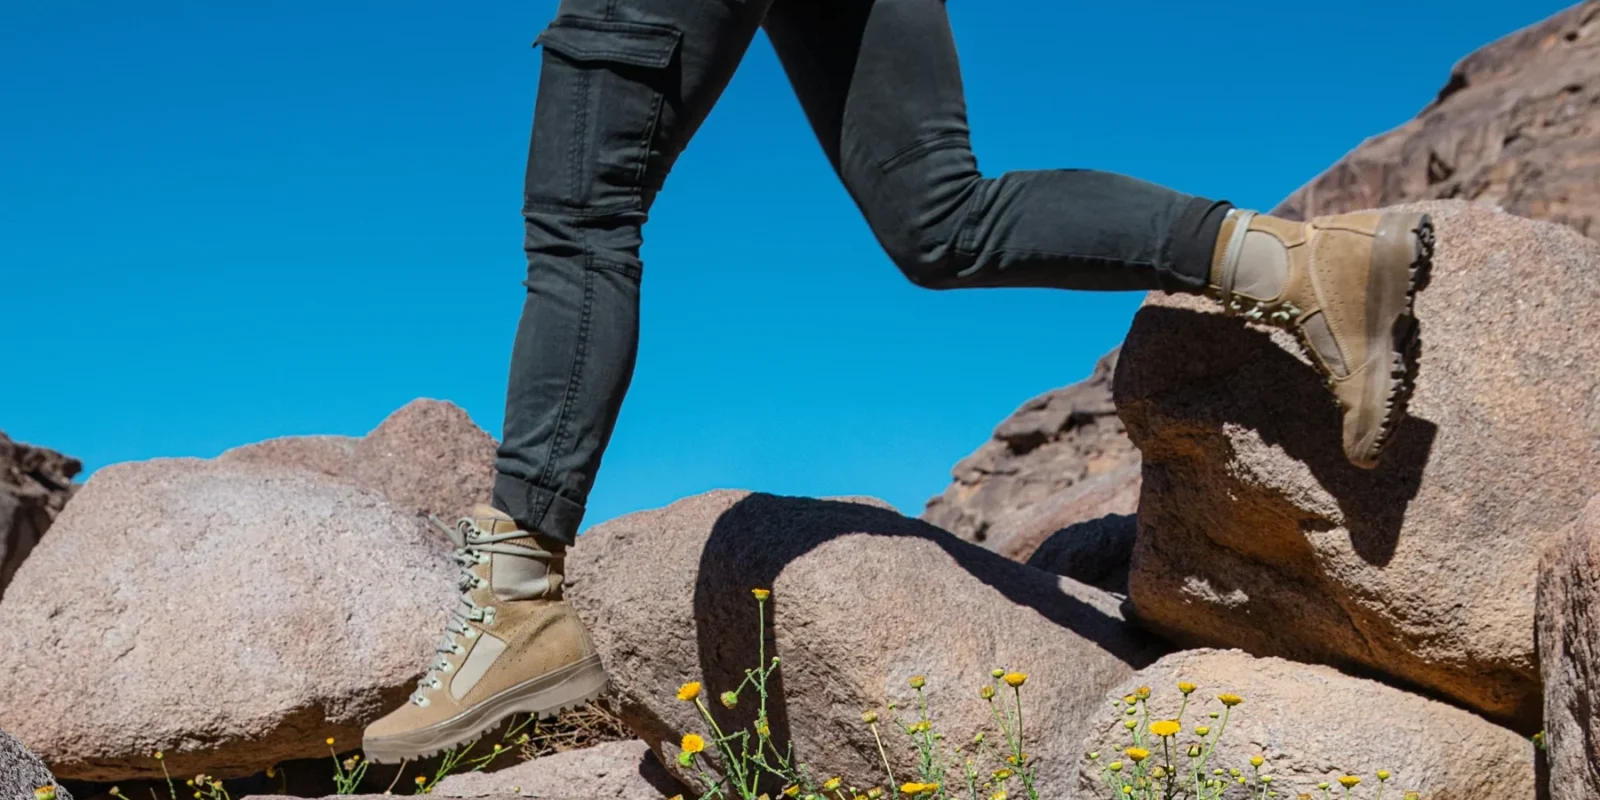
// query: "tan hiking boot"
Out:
[1345,285]
[512,646]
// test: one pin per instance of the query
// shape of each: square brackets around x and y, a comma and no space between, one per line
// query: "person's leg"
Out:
[880,82]
[625,84]
[881,85]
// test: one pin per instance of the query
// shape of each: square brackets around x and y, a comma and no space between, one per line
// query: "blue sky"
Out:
[223,222]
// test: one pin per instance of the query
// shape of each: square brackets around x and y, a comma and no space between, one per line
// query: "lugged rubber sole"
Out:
[1403,239]
[544,696]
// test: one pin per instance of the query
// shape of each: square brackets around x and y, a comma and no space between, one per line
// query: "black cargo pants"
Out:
[625,84]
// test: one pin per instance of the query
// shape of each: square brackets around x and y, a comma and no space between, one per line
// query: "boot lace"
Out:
[473,547]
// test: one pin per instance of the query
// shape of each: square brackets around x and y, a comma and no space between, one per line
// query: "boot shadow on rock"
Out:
[1290,408]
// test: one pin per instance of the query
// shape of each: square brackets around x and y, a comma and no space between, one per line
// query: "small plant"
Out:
[347,774]
[751,759]
[1167,761]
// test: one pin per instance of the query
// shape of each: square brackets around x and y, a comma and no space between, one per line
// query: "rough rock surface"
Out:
[1096,552]
[621,770]
[231,615]
[35,485]
[21,772]
[1254,531]
[1314,724]
[1062,458]
[428,456]
[863,599]
[1569,650]
[1517,126]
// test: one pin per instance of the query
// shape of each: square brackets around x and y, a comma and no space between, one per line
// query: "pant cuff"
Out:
[536,508]
[1191,244]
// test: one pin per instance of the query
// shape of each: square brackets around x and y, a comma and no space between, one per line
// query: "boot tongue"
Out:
[492,520]
[515,577]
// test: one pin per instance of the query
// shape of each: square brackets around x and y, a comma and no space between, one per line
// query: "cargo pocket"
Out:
[601,89]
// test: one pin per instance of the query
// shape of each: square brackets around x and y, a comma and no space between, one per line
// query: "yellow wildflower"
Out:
[917,681]
[761,594]
[1002,774]
[729,699]
[692,743]
[45,793]
[792,791]
[689,691]
[1001,795]
[159,755]
[1203,730]
[420,780]
[869,716]
[1230,700]
[1349,781]
[1131,700]
[987,692]
[831,784]
[1143,692]
[919,788]
[1186,687]
[997,672]
[1256,761]
[1137,754]
[1014,679]
[874,793]
[1165,728]
[1383,774]
[762,729]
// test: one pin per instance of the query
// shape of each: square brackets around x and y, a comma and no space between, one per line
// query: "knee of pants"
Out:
[922,239]
[918,208]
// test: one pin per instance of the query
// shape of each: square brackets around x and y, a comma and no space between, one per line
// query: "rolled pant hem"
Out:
[536,508]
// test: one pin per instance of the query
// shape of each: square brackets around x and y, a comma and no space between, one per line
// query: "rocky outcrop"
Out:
[21,772]
[614,771]
[1515,127]
[1312,724]
[35,485]
[863,599]
[428,456]
[1255,532]
[1569,657]
[1061,459]
[231,615]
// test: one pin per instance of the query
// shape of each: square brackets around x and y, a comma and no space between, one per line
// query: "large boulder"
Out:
[611,771]
[1569,657]
[35,485]
[428,456]
[1254,531]
[231,615]
[1513,127]
[1313,724]
[1061,459]
[21,772]
[863,599]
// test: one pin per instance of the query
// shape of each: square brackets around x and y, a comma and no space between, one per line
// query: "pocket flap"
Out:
[635,43]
